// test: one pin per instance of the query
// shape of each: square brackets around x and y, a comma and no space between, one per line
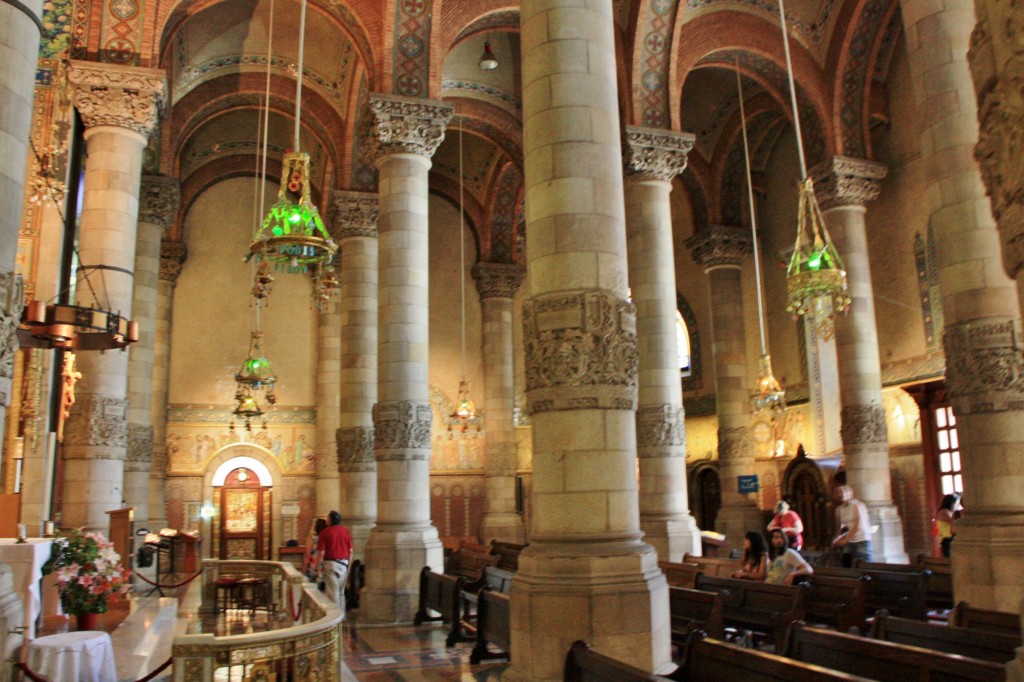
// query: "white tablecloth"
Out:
[27,561]
[86,656]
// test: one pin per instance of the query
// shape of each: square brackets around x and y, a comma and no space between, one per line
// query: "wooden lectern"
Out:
[120,532]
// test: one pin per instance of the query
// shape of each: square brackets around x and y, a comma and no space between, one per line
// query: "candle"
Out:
[47,528]
[21,530]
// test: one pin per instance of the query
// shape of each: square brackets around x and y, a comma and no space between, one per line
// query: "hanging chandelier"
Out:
[815,277]
[73,327]
[465,415]
[768,395]
[255,377]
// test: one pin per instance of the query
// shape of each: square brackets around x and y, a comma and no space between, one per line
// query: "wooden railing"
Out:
[309,650]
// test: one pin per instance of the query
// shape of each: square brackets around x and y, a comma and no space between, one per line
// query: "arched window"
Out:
[687,344]
[682,345]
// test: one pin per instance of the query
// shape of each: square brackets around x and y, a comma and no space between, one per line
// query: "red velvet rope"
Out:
[36,678]
[169,587]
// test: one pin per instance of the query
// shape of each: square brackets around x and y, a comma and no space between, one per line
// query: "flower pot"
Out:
[86,621]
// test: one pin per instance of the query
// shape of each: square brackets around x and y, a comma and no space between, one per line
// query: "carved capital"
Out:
[733,443]
[114,95]
[355,214]
[159,198]
[661,426]
[402,425]
[407,125]
[355,449]
[498,280]
[581,352]
[864,425]
[656,154]
[99,421]
[12,300]
[846,181]
[172,257]
[985,366]
[720,245]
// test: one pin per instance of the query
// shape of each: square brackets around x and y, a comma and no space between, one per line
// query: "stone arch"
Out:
[704,487]
[805,488]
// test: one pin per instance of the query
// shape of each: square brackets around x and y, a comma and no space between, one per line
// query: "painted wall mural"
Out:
[190,447]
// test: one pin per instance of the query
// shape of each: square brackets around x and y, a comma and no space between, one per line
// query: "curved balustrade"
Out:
[307,650]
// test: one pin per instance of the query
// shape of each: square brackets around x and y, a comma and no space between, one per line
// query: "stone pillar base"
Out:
[360,530]
[611,595]
[395,555]
[988,561]
[887,541]
[672,538]
[734,520]
[503,527]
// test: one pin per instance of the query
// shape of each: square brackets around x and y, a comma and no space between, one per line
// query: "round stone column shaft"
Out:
[721,250]
[497,284]
[408,132]
[328,406]
[983,332]
[355,225]
[119,106]
[586,574]
[653,158]
[844,185]
[158,205]
[172,256]
[20,29]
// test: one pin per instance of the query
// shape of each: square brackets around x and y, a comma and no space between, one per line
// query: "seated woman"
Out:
[755,557]
[785,564]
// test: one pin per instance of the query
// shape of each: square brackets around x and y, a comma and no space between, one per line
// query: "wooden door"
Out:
[243,528]
[709,487]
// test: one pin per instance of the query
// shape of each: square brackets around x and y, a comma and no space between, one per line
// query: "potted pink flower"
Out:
[89,572]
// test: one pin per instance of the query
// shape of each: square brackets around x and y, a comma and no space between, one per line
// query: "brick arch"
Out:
[491,123]
[859,51]
[504,20]
[696,180]
[501,214]
[360,20]
[447,188]
[760,41]
[245,89]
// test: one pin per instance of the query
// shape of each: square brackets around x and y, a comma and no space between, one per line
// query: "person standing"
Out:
[333,555]
[854,539]
[790,523]
[949,511]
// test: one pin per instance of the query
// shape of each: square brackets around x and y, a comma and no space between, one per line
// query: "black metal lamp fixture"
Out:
[488,62]
[72,327]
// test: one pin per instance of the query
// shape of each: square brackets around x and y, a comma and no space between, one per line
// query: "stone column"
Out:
[119,106]
[172,256]
[355,230]
[983,332]
[497,284]
[721,250]
[844,185]
[328,406]
[653,158]
[20,29]
[158,206]
[587,574]
[407,133]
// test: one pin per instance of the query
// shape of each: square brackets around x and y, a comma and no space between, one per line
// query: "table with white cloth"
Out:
[27,559]
[84,656]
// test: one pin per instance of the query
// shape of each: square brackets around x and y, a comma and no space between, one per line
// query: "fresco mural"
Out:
[190,447]
[453,450]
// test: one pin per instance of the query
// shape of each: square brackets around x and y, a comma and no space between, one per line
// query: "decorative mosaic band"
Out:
[498,280]
[355,214]
[405,125]
[159,198]
[223,415]
[123,96]
[864,425]
[721,245]
[98,421]
[985,366]
[655,154]
[661,426]
[12,300]
[581,352]
[355,449]
[402,425]
[845,181]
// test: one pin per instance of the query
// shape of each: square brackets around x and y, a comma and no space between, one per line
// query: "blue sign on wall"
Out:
[748,484]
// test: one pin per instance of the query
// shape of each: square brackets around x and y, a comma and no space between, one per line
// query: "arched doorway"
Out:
[244,511]
[705,490]
[803,486]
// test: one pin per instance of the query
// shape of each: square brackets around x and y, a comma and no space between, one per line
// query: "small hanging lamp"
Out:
[488,62]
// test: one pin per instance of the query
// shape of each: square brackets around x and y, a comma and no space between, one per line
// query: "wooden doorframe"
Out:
[224,461]
[263,534]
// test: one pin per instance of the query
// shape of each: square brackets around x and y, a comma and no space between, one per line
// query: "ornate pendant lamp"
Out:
[464,416]
[768,395]
[255,376]
[816,276]
[292,235]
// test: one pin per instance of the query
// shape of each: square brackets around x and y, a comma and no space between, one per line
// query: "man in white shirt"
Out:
[854,539]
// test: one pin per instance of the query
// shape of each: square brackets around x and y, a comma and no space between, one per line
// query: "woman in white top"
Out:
[784,564]
[854,539]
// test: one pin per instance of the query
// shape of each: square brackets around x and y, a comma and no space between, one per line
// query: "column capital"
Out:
[846,181]
[655,153]
[410,125]
[114,95]
[402,425]
[720,245]
[355,449]
[172,256]
[498,280]
[159,198]
[355,214]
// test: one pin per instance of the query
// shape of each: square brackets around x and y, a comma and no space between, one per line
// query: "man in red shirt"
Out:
[334,553]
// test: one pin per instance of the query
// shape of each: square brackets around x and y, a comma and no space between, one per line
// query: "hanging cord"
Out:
[792,92]
[266,119]
[298,88]
[462,252]
[753,212]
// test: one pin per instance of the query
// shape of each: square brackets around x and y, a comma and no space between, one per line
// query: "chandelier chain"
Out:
[462,253]
[792,92]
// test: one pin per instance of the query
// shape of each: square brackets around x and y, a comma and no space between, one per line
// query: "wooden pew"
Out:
[720,568]
[441,593]
[709,660]
[583,664]
[494,579]
[939,594]
[681,574]
[508,554]
[988,646]
[493,626]
[837,602]
[469,563]
[904,594]
[884,661]
[756,606]
[692,610]
[964,615]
